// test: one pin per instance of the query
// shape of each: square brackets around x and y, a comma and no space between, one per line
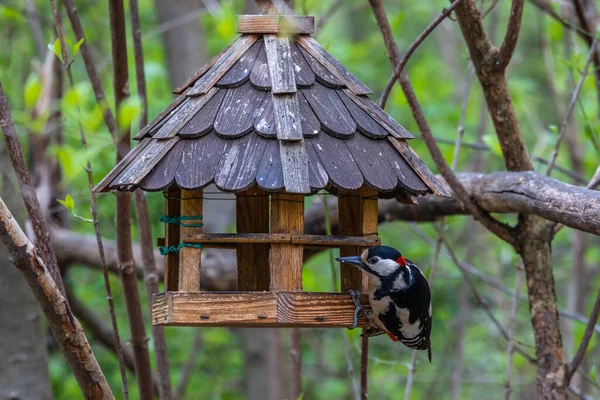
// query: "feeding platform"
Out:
[273,118]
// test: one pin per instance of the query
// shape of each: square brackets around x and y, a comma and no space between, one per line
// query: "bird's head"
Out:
[379,261]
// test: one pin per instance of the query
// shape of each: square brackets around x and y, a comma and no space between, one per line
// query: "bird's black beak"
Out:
[354,260]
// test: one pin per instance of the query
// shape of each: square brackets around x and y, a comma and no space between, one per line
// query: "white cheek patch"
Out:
[385,267]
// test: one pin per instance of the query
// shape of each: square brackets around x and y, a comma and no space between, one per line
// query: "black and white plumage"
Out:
[399,296]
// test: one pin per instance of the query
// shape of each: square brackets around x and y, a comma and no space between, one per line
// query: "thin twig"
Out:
[585,341]
[94,209]
[296,356]
[139,340]
[188,367]
[572,102]
[328,14]
[511,333]
[143,216]
[350,364]
[400,67]
[503,231]
[364,368]
[442,228]
[32,204]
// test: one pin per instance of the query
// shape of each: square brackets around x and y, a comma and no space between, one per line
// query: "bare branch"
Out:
[28,192]
[512,33]
[574,97]
[296,356]
[188,367]
[400,67]
[585,341]
[65,327]
[511,333]
[501,230]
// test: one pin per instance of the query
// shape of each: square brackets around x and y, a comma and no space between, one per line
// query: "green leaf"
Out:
[594,374]
[10,13]
[32,90]
[68,202]
[55,48]
[492,142]
[427,272]
[76,47]
[553,129]
[129,110]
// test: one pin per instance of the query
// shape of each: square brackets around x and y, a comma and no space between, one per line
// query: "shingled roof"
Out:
[278,112]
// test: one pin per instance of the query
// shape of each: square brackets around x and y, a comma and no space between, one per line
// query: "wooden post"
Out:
[357,217]
[172,209]
[252,216]
[189,257]
[287,216]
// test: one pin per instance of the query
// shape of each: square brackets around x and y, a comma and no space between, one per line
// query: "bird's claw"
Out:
[355,294]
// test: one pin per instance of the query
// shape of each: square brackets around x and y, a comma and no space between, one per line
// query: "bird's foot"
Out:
[355,294]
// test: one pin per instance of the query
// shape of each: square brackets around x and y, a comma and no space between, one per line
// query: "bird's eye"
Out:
[373,260]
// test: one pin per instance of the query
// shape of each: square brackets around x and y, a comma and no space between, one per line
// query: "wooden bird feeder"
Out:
[272,118]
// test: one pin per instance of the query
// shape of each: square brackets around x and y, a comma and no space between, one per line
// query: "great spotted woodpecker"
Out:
[399,296]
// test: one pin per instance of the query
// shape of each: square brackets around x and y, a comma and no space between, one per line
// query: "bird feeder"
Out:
[273,118]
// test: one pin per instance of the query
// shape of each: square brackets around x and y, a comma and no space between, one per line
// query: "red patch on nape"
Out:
[401,261]
[391,335]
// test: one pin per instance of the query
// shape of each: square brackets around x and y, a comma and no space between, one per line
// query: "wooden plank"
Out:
[358,217]
[199,161]
[281,65]
[373,164]
[322,74]
[335,241]
[104,184]
[161,116]
[299,238]
[342,169]
[202,122]
[420,168]
[286,111]
[200,72]
[317,309]
[240,71]
[238,111]
[265,120]
[303,73]
[248,237]
[172,232]
[321,55]
[187,111]
[285,263]
[317,175]
[270,173]
[285,24]
[252,216]
[259,76]
[239,163]
[408,179]
[222,65]
[214,309]
[365,123]
[330,110]
[383,118]
[256,309]
[294,163]
[163,173]
[310,123]
[189,257]
[144,162]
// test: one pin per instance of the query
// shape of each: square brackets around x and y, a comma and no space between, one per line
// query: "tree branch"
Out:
[501,230]
[65,327]
[512,33]
[585,341]
[28,192]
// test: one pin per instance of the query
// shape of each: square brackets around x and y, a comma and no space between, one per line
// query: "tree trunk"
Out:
[24,361]
[535,249]
[184,43]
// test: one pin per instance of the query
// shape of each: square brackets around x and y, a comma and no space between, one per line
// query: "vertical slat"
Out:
[252,216]
[358,217]
[189,257]
[172,209]
[287,216]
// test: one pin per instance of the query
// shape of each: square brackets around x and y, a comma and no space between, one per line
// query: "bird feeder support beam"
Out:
[189,257]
